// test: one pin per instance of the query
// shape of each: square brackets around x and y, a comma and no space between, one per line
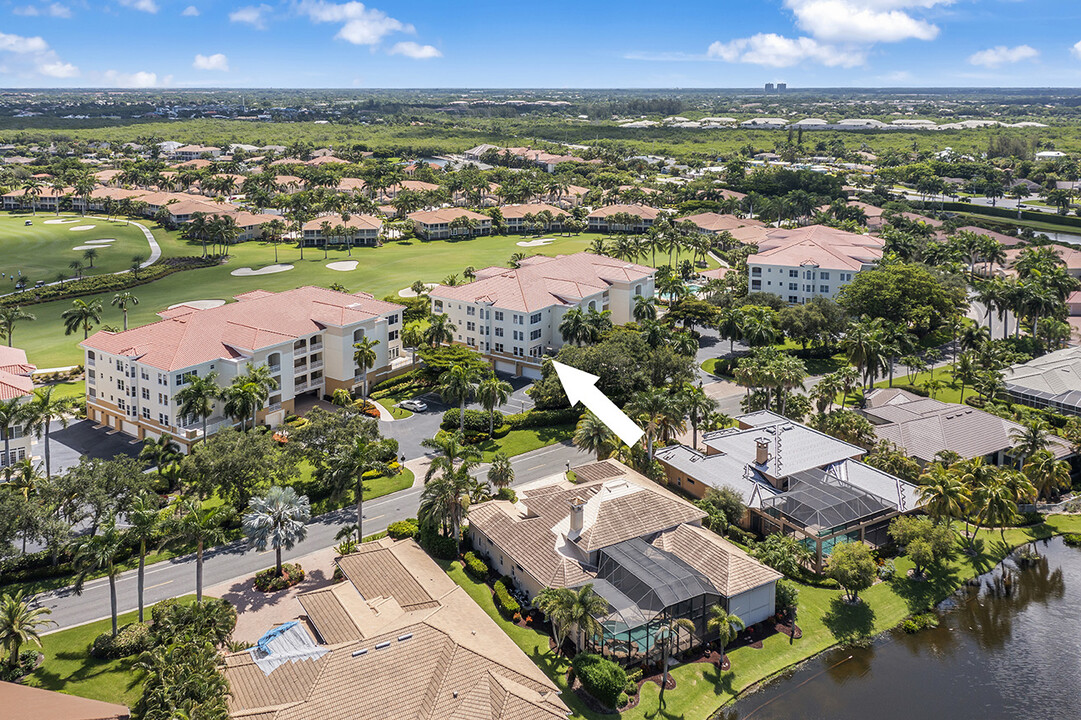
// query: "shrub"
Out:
[476,421]
[740,535]
[914,389]
[402,529]
[887,570]
[830,584]
[175,621]
[501,431]
[623,699]
[476,567]
[267,581]
[1072,539]
[919,622]
[542,418]
[504,601]
[28,659]
[130,640]
[787,595]
[507,494]
[601,678]
[443,548]
[395,381]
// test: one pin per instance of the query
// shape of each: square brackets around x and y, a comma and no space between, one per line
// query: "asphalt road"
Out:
[176,577]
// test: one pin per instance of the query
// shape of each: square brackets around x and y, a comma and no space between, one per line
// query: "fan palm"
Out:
[20,623]
[278,519]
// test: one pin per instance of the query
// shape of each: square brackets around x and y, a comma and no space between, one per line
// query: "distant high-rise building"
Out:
[769,87]
[781,87]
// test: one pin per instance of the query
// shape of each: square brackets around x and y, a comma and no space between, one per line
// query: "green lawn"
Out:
[69,668]
[521,441]
[382,271]
[825,621]
[395,412]
[43,250]
[75,389]
[949,393]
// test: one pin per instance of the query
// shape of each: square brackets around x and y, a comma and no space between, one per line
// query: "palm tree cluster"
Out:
[584,328]
[241,400]
[771,378]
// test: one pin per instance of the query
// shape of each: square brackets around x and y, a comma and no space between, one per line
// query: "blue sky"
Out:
[557,43]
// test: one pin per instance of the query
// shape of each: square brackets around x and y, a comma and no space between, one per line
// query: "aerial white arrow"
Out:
[581,387]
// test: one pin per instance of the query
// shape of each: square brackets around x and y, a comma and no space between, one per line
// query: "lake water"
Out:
[994,655]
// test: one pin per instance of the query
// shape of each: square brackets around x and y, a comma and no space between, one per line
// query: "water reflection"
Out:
[1007,647]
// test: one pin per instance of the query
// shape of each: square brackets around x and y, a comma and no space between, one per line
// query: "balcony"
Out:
[90,362]
[275,369]
[315,365]
[300,364]
[315,346]
[300,386]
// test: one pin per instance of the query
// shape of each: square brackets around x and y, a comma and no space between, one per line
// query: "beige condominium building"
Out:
[15,384]
[512,315]
[808,262]
[305,336]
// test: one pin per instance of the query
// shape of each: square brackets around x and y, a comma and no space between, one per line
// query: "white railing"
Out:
[315,365]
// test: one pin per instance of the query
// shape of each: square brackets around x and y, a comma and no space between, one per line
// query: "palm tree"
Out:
[996,505]
[8,317]
[41,409]
[583,609]
[665,636]
[501,472]
[1046,473]
[727,625]
[445,499]
[82,315]
[144,522]
[365,358]
[592,435]
[413,338]
[90,255]
[347,467]
[440,330]
[698,406]
[493,393]
[194,523]
[99,552]
[572,327]
[20,623]
[122,300]
[1030,439]
[457,385]
[241,401]
[197,399]
[645,308]
[277,519]
[943,494]
[556,604]
[656,408]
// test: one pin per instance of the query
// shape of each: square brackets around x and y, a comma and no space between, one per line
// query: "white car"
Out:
[413,405]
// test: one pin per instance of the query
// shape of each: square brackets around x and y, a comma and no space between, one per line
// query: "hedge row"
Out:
[475,567]
[475,420]
[1011,213]
[395,381]
[106,283]
[503,599]
[542,418]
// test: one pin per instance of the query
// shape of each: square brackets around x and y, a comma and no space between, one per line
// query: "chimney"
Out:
[761,455]
[578,507]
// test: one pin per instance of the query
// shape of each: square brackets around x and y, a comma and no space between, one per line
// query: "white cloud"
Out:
[144,5]
[217,61]
[415,50]
[190,11]
[32,56]
[131,80]
[360,25]
[862,21]
[56,10]
[254,15]
[1076,50]
[775,50]
[1002,55]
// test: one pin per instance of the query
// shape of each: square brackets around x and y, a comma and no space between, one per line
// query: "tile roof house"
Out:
[22,702]
[513,314]
[1049,381]
[304,335]
[923,427]
[641,547]
[15,384]
[811,261]
[398,639]
[444,223]
[361,230]
[793,479]
[716,223]
[644,218]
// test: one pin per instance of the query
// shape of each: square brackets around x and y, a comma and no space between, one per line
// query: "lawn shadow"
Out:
[924,594]
[849,622]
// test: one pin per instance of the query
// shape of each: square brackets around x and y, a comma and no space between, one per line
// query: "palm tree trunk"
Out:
[204,428]
[360,506]
[199,573]
[278,561]
[112,596]
[461,417]
[48,459]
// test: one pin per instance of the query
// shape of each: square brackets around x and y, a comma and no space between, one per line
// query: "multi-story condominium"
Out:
[514,216]
[600,220]
[195,152]
[305,336]
[814,261]
[359,230]
[512,316]
[445,222]
[15,384]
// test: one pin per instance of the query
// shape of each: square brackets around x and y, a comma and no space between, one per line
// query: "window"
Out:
[756,271]
[793,299]
[535,335]
[519,320]
[91,375]
[392,335]
[534,318]
[471,326]
[393,319]
[499,332]
[120,385]
[518,352]
[519,335]
[499,315]
[119,366]
[146,413]
[146,394]
[163,418]
[144,374]
[535,351]
[120,403]
[471,341]
[498,347]
[793,286]
[470,311]
[824,289]
[823,275]
[756,284]
[163,379]
[162,400]
[437,306]
[793,273]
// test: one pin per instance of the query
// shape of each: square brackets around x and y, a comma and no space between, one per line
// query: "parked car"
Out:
[39,283]
[413,405]
[28,222]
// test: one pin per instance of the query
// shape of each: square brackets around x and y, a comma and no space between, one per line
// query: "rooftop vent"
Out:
[403,638]
[362,651]
[382,645]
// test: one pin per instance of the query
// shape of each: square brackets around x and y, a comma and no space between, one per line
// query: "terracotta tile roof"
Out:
[731,570]
[361,222]
[350,184]
[21,702]
[543,281]
[186,336]
[520,211]
[445,215]
[15,373]
[375,572]
[717,222]
[641,211]
[819,245]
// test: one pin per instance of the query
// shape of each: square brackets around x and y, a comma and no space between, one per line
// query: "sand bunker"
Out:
[61,221]
[268,270]
[199,304]
[343,265]
[103,241]
[408,292]
[534,243]
[89,247]
[80,228]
